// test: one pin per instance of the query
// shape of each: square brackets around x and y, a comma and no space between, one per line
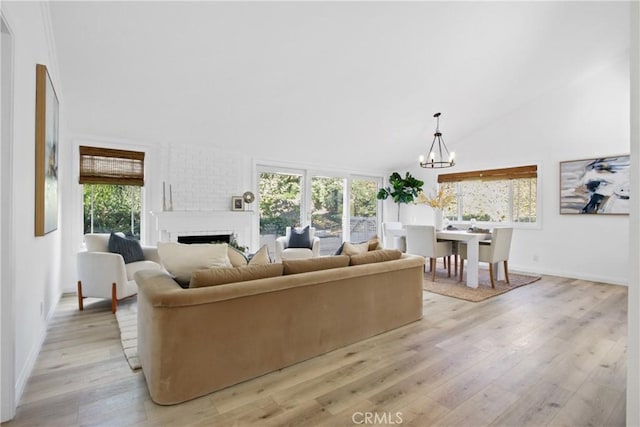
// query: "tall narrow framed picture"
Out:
[47,110]
[595,186]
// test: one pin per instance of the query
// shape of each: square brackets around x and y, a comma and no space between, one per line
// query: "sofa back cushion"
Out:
[296,266]
[181,259]
[375,256]
[220,276]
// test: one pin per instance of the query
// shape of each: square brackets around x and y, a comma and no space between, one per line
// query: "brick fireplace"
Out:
[170,225]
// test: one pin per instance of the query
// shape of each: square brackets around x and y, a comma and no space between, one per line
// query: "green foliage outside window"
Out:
[279,202]
[327,203]
[115,208]
[512,200]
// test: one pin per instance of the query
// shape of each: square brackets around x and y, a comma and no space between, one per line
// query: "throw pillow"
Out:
[355,248]
[375,256]
[221,276]
[239,259]
[296,266]
[299,238]
[181,260]
[261,257]
[130,249]
[374,244]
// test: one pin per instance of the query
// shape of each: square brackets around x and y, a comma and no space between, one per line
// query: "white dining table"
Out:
[473,243]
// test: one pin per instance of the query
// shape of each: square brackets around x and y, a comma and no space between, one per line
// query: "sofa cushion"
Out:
[220,276]
[375,256]
[181,259]
[130,249]
[299,238]
[355,248]
[239,259]
[296,266]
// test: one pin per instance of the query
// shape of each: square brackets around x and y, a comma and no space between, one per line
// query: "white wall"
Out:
[585,119]
[633,321]
[37,275]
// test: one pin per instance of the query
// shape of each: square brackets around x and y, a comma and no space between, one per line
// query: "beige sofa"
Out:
[192,342]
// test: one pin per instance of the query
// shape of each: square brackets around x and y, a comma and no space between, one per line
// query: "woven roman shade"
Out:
[109,166]
[491,174]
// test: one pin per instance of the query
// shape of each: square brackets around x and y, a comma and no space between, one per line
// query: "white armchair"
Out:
[284,252]
[103,274]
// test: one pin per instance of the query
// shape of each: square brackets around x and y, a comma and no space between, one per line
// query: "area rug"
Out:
[127,317]
[449,286]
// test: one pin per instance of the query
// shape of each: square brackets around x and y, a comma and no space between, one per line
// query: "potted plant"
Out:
[401,190]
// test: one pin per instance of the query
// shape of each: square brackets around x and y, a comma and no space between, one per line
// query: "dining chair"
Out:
[391,241]
[421,240]
[492,252]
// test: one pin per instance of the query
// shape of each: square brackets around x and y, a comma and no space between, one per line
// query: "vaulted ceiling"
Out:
[342,84]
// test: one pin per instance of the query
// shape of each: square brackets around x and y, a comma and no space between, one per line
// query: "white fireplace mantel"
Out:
[171,224]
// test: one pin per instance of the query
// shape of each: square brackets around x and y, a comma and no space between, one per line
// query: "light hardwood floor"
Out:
[551,353]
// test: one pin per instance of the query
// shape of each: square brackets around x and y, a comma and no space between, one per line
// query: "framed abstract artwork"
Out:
[595,186]
[46,202]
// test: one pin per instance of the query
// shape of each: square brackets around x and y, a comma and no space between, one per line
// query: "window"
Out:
[363,223]
[339,206]
[498,195]
[112,190]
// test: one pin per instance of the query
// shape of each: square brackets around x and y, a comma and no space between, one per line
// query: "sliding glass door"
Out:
[327,211]
[363,218]
[340,208]
[280,194]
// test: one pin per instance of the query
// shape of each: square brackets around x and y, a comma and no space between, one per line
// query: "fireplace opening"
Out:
[205,238]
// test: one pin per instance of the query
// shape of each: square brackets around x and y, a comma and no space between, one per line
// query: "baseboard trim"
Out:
[611,280]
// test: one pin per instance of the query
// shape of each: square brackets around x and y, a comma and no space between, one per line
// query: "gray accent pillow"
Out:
[299,239]
[130,249]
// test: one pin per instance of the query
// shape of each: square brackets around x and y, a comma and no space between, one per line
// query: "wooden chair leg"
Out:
[493,285]
[448,266]
[506,272]
[461,268]
[114,300]
[80,305]
[455,265]
[432,261]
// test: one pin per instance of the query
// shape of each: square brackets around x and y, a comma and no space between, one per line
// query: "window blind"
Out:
[530,171]
[109,166]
